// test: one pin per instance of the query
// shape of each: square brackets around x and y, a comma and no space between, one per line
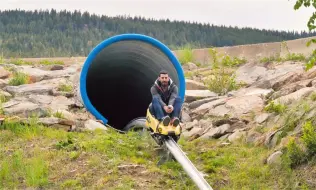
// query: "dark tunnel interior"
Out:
[120,77]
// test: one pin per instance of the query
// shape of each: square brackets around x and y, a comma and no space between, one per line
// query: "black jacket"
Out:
[165,98]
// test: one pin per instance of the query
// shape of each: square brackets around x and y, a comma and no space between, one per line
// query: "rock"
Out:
[93,125]
[3,83]
[249,73]
[67,115]
[203,109]
[262,118]
[48,121]
[189,66]
[205,124]
[292,88]
[253,91]
[185,117]
[275,158]
[218,111]
[23,109]
[252,137]
[192,95]
[236,136]
[56,67]
[40,99]
[304,92]
[4,73]
[290,77]
[5,94]
[60,103]
[190,125]
[39,75]
[194,85]
[216,132]
[193,132]
[245,104]
[198,103]
[27,89]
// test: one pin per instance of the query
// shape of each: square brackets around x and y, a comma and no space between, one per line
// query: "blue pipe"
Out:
[136,37]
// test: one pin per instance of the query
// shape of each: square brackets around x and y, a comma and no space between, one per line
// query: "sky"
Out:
[261,14]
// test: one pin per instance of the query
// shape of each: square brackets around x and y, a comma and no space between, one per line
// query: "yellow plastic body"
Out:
[152,123]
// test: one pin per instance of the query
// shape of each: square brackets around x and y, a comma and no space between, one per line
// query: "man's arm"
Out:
[173,95]
[154,93]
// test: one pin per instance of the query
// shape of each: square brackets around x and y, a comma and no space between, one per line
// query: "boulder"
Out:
[198,103]
[304,92]
[204,108]
[194,85]
[4,73]
[27,89]
[262,118]
[236,136]
[249,73]
[275,158]
[93,125]
[245,104]
[192,95]
[216,132]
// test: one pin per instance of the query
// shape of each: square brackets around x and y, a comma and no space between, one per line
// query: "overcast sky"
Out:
[268,14]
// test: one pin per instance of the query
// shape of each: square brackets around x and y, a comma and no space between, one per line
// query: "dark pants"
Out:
[158,111]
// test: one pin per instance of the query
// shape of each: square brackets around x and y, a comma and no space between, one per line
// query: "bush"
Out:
[222,82]
[309,138]
[19,78]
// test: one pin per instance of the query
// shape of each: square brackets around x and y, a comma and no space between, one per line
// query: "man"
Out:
[166,103]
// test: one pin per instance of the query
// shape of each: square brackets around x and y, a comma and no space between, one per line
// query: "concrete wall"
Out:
[254,52]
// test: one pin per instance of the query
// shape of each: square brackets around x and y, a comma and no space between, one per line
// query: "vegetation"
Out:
[19,78]
[311,26]
[51,33]
[65,88]
[34,156]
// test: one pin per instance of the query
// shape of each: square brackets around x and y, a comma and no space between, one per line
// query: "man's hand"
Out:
[167,109]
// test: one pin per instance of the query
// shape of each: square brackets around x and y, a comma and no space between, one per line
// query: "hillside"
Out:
[54,34]
[246,125]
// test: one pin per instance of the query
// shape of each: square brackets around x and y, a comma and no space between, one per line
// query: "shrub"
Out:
[19,78]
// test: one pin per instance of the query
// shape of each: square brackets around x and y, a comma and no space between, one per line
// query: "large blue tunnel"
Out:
[118,73]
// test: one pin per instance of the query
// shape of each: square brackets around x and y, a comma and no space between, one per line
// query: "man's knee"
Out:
[155,100]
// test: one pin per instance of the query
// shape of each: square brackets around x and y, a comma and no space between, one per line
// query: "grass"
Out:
[51,62]
[39,157]
[65,88]
[19,78]
[222,82]
[185,55]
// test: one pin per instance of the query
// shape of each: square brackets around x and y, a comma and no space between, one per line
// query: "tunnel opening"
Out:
[119,76]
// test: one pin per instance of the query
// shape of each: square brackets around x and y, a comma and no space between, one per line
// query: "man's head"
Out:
[164,78]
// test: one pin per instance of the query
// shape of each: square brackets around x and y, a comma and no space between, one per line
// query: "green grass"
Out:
[51,62]
[65,88]
[40,157]
[185,55]
[18,78]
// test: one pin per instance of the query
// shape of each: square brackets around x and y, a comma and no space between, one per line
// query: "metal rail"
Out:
[187,165]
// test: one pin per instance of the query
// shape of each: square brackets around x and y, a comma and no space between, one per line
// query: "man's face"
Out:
[164,79]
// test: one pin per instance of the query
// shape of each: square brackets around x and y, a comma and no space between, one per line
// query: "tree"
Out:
[311,26]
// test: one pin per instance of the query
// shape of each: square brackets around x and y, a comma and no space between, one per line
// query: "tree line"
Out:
[51,33]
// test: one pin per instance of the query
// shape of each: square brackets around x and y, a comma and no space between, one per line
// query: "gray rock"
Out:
[194,131]
[216,132]
[93,125]
[275,158]
[262,118]
[249,73]
[27,89]
[245,104]
[39,75]
[25,109]
[304,92]
[218,111]
[204,108]
[198,103]
[236,136]
[3,83]
[192,95]
[186,117]
[188,126]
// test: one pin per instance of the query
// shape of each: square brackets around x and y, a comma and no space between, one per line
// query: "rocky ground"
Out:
[246,113]
[50,94]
